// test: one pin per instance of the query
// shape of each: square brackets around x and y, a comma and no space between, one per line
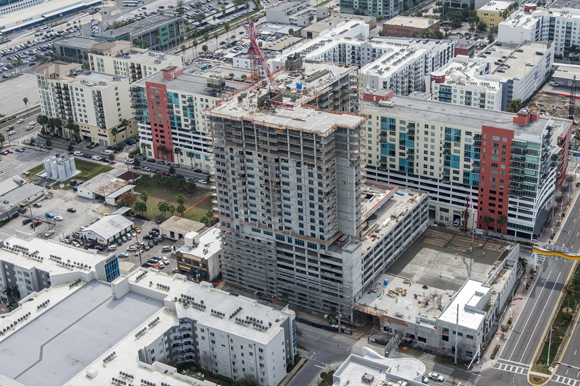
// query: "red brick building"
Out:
[405,26]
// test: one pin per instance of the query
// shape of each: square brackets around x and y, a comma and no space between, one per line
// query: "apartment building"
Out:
[76,47]
[491,83]
[555,25]
[386,63]
[169,109]
[169,29]
[509,165]
[201,254]
[295,215]
[298,12]
[95,101]
[121,59]
[374,8]
[492,13]
[31,264]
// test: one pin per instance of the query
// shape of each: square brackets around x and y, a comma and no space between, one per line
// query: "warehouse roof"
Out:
[109,226]
[181,225]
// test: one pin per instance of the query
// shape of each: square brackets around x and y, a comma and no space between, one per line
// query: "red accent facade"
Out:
[493,186]
[380,97]
[160,123]
[564,143]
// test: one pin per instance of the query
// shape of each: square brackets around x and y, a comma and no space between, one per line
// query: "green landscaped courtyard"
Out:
[158,192]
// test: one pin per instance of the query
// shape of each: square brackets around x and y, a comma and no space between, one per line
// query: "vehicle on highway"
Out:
[20,120]
[86,155]
[72,210]
[11,132]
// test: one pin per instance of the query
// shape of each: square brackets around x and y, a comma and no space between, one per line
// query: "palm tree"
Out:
[70,126]
[125,123]
[2,139]
[190,155]
[183,48]
[172,209]
[487,220]
[180,209]
[145,44]
[143,147]
[502,221]
[158,39]
[145,178]
[194,43]
[180,198]
[206,36]
[42,120]
[114,132]
[25,100]
[140,207]
[177,151]
[227,27]
[163,150]
[216,35]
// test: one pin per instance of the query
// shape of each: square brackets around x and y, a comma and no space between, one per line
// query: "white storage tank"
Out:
[61,171]
[67,172]
[47,167]
[54,168]
[72,165]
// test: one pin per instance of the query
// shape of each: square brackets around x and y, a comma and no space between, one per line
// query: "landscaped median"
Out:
[561,324]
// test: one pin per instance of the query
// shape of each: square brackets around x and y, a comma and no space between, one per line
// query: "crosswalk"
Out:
[565,380]
[519,368]
[473,379]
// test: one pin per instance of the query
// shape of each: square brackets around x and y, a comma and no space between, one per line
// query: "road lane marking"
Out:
[549,321]
[529,316]
[575,351]
[321,367]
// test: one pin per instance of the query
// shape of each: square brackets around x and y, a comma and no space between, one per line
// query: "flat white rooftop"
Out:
[496,6]
[469,295]
[46,248]
[213,299]
[209,245]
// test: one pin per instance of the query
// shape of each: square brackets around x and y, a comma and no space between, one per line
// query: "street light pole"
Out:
[548,361]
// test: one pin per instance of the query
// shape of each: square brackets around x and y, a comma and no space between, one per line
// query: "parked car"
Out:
[112,248]
[436,377]
[79,153]
[165,260]
[49,233]
[133,233]
[123,254]
[132,248]
[148,237]
[72,210]
[146,247]
[58,218]
[119,242]
[49,215]
[160,264]
[26,221]
[124,239]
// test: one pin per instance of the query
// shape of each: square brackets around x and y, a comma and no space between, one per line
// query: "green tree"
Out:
[25,100]
[490,37]
[70,147]
[143,147]
[487,220]
[163,150]
[115,131]
[180,209]
[177,151]
[12,293]
[481,26]
[204,48]
[163,207]
[502,220]
[180,198]
[227,27]
[42,120]
[158,39]
[183,48]
[206,36]
[145,178]
[204,220]
[48,142]
[514,106]
[171,209]
[171,170]
[190,184]
[140,207]
[136,163]
[190,155]
[111,157]
[291,31]
[380,18]
[145,44]
[2,139]
[194,43]
[216,35]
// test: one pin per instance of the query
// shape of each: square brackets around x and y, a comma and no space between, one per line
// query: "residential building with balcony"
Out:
[169,29]
[298,12]
[375,8]
[493,82]
[168,108]
[507,164]
[555,25]
[385,63]
[201,254]
[492,13]
[120,58]
[95,101]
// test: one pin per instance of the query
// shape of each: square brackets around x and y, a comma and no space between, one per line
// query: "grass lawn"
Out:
[89,169]
[158,193]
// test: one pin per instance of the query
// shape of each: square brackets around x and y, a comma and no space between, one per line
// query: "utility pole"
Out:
[456,333]
[548,360]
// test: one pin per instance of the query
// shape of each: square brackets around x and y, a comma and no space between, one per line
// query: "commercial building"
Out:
[460,4]
[375,8]
[31,264]
[107,230]
[386,63]
[18,196]
[464,48]
[373,369]
[169,109]
[76,47]
[169,29]
[159,322]
[492,83]
[507,164]
[431,318]
[175,227]
[407,26]
[107,186]
[493,13]
[7,7]
[95,101]
[315,29]
[297,12]
[304,239]
[554,25]
[201,255]
[119,58]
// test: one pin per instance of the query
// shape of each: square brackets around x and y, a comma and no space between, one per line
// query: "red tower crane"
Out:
[251,31]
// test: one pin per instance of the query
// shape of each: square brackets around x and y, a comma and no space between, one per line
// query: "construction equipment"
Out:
[251,31]
[572,99]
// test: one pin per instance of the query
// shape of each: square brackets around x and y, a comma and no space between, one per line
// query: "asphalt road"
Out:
[325,350]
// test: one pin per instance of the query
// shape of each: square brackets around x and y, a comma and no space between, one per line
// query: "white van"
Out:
[107,152]
[96,157]
[112,248]
[479,232]
[166,249]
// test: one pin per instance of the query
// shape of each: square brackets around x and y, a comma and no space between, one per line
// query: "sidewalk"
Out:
[298,367]
[515,308]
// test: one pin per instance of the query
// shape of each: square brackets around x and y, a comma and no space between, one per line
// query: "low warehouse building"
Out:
[176,227]
[108,229]
[106,186]
[405,26]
